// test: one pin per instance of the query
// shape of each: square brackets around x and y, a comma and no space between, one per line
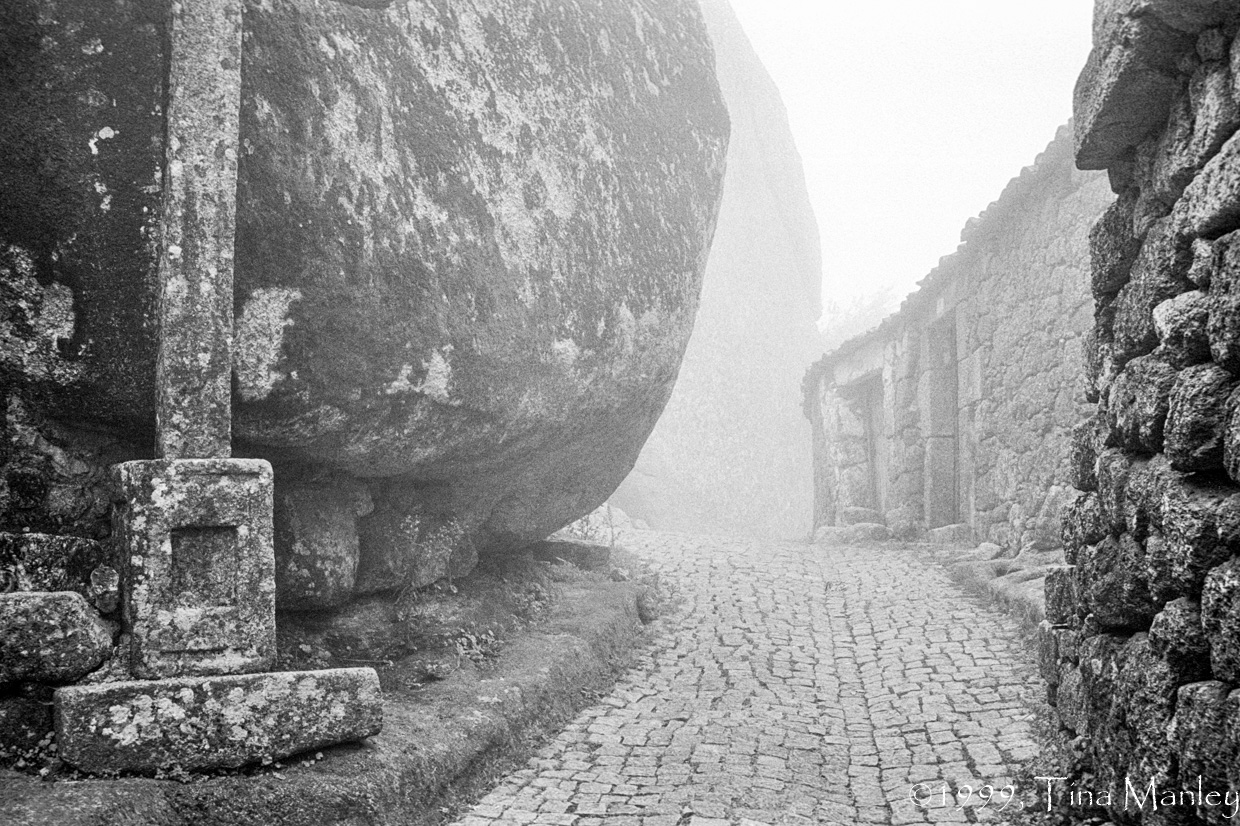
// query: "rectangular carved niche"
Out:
[196,545]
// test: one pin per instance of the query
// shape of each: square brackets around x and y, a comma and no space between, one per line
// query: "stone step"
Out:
[214,722]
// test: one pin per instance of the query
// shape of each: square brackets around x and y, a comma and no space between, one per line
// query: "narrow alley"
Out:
[789,684]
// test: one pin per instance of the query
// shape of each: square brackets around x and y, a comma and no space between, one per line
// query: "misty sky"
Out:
[911,116]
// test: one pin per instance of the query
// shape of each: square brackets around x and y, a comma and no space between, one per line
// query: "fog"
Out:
[911,117]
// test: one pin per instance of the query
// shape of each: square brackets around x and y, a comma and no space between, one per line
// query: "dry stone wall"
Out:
[1140,647]
[956,413]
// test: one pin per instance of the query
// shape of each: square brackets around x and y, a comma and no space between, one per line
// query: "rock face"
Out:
[956,417]
[50,637]
[1154,542]
[731,451]
[470,240]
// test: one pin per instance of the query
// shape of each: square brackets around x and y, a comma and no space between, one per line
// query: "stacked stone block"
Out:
[1141,648]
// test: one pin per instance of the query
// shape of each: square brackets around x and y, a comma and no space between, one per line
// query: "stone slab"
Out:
[50,637]
[200,589]
[1123,93]
[214,722]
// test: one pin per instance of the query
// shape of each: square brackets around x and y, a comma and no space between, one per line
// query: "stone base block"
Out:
[214,722]
[200,595]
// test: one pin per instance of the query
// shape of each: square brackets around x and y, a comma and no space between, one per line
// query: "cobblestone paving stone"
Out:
[791,684]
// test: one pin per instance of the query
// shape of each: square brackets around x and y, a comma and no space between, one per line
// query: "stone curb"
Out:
[432,739]
[1014,588]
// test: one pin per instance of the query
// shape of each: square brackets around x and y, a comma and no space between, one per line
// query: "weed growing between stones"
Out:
[597,526]
[440,544]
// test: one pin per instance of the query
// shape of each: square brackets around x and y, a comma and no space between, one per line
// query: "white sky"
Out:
[912,115]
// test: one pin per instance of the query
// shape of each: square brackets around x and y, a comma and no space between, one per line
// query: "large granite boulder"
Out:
[470,236]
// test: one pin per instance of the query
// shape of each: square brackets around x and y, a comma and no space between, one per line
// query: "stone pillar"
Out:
[195,526]
[193,369]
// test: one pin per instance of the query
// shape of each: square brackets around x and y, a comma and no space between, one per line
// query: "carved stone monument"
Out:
[194,526]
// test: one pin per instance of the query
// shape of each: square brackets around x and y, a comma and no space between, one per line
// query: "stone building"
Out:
[954,415]
[1141,650]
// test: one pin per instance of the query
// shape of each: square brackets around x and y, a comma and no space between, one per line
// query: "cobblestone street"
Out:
[791,684]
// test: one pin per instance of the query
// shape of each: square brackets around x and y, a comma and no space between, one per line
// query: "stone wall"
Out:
[955,414]
[1141,646]
[731,451]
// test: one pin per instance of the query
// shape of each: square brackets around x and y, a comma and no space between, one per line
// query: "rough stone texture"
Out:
[732,450]
[1127,85]
[40,562]
[1210,205]
[1220,619]
[955,410]
[50,637]
[1071,699]
[1180,323]
[1113,586]
[24,721]
[1199,734]
[1114,470]
[316,545]
[214,722]
[1061,597]
[1159,273]
[1047,640]
[1158,107]
[405,544]
[1083,525]
[193,360]
[1112,248]
[1224,303]
[1082,473]
[490,297]
[200,587]
[55,478]
[1138,404]
[1197,417]
[1176,635]
[1192,519]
